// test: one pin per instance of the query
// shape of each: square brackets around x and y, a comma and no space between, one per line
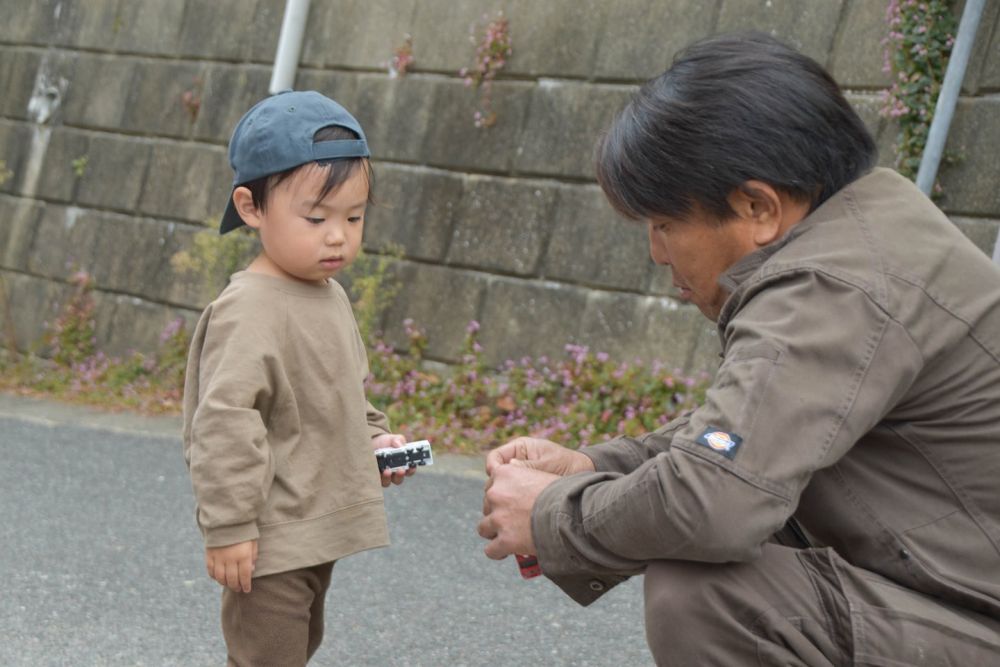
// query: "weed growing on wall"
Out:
[80,166]
[493,49]
[213,257]
[371,288]
[191,99]
[5,173]
[402,58]
[70,338]
[921,35]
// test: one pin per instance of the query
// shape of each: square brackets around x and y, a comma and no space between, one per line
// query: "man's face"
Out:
[309,239]
[699,249]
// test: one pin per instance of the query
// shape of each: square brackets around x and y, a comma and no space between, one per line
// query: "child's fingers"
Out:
[233,575]
[246,574]
[219,571]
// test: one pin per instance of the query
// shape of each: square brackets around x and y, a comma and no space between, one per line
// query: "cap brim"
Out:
[230,219]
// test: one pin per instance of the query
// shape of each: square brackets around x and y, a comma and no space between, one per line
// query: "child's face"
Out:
[306,239]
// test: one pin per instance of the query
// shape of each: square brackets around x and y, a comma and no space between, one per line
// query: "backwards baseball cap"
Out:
[276,134]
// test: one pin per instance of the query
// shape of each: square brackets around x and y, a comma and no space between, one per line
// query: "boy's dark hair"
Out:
[340,170]
[732,108]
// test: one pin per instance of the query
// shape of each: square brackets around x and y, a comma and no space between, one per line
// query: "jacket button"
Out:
[904,554]
[597,585]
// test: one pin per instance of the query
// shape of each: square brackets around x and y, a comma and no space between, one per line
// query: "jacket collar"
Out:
[737,275]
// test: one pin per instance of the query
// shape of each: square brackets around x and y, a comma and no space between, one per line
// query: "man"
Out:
[835,500]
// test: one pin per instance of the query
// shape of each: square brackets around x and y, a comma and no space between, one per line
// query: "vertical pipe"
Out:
[948,97]
[286,59]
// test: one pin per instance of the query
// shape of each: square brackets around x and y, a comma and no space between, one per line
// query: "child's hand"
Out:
[391,440]
[233,565]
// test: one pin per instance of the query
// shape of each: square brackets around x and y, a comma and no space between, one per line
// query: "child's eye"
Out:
[315,221]
[354,219]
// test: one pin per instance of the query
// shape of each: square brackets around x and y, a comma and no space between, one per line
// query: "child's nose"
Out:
[334,235]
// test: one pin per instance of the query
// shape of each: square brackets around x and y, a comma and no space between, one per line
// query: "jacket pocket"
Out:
[892,638]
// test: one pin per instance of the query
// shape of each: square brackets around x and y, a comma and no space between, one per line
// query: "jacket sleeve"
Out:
[811,364]
[625,454]
[227,450]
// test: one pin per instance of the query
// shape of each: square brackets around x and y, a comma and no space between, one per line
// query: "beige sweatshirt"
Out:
[277,430]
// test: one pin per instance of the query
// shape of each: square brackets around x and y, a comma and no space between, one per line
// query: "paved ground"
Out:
[100,564]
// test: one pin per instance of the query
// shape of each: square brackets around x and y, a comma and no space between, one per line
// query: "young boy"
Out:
[278,434]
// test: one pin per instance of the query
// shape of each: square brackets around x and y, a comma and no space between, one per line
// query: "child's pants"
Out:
[280,621]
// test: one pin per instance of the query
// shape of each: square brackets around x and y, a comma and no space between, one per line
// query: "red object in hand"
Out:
[528,565]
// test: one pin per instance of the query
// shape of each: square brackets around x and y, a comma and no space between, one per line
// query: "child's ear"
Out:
[243,203]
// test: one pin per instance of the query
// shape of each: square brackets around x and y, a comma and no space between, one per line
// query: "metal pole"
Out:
[286,59]
[948,96]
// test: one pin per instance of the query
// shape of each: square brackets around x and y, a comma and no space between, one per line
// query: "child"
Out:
[278,435]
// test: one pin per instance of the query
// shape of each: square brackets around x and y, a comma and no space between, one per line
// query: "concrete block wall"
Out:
[113,173]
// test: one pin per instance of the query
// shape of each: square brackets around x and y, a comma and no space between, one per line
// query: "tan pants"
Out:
[804,607]
[279,622]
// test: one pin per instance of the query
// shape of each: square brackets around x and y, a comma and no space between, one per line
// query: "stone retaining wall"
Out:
[112,173]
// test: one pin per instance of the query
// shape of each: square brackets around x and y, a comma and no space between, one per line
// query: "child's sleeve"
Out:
[378,423]
[228,454]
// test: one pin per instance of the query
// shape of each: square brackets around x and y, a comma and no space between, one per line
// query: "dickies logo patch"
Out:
[720,441]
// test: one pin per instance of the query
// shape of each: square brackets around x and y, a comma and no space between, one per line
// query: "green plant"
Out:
[80,166]
[916,50]
[5,173]
[213,257]
[371,287]
[493,49]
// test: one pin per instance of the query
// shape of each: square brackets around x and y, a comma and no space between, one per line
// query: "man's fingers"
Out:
[493,459]
[486,529]
[499,456]
[495,551]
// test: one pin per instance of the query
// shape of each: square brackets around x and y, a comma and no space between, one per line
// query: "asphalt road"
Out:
[101,564]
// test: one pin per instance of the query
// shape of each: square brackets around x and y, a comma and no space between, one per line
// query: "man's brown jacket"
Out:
[859,396]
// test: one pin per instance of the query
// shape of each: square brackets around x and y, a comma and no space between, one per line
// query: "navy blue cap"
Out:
[277,133]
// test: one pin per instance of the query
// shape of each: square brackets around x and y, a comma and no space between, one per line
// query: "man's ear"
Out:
[243,203]
[759,203]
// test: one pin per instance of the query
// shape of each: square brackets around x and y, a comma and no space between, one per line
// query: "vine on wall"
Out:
[916,50]
[493,49]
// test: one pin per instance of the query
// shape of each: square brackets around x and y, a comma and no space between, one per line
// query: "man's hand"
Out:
[391,440]
[539,454]
[510,496]
[232,566]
